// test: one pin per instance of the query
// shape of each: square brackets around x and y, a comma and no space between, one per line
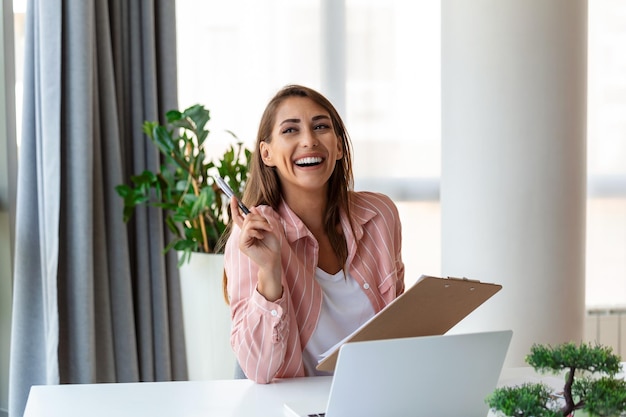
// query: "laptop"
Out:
[428,376]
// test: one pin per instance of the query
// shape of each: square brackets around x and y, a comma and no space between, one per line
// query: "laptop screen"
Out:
[449,375]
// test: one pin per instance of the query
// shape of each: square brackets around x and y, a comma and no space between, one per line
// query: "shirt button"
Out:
[274,313]
[366,286]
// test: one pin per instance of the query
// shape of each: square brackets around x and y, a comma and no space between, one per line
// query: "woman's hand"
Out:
[261,243]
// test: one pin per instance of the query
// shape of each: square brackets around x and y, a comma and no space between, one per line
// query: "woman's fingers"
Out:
[235,213]
[255,219]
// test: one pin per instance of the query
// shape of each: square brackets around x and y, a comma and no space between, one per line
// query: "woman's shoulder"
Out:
[366,205]
[375,210]
[371,200]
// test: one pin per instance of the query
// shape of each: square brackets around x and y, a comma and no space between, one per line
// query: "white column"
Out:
[513,166]
[333,32]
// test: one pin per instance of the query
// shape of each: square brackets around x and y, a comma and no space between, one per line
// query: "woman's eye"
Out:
[322,126]
[289,130]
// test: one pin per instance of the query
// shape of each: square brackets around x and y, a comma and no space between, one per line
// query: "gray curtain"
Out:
[95,300]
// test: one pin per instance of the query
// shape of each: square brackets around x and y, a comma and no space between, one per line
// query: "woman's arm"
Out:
[260,319]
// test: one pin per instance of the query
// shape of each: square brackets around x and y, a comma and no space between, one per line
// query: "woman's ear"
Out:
[339,150]
[266,154]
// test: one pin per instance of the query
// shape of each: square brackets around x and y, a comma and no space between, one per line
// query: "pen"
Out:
[229,193]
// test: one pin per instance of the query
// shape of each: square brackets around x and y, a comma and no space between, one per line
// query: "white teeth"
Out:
[311,160]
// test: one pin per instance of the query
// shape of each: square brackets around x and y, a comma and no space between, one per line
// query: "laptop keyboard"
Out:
[316,415]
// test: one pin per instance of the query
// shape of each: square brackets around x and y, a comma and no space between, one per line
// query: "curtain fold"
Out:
[95,300]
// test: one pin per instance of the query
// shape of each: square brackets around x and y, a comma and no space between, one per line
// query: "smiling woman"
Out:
[314,259]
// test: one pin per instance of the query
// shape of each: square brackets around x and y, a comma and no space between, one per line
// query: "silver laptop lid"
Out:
[431,376]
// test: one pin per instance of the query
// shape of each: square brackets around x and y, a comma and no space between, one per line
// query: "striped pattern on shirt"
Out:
[268,337]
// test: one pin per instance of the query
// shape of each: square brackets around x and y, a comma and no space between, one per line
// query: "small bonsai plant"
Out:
[197,211]
[590,384]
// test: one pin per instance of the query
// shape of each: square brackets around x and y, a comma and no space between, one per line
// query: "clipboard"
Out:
[432,306]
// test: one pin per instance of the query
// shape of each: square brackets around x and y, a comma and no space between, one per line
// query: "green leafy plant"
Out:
[197,211]
[590,384]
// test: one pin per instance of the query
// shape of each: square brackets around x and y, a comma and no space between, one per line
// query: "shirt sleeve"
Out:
[259,327]
[398,252]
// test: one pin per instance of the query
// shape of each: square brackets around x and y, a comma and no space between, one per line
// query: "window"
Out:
[606,166]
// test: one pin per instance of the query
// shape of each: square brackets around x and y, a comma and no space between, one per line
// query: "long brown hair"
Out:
[263,185]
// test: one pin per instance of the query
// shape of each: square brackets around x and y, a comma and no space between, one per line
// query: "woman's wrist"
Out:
[269,283]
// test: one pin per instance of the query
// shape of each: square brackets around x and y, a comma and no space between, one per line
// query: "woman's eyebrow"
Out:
[290,121]
[315,118]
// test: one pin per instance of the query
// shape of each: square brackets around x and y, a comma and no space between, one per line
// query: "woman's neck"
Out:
[310,208]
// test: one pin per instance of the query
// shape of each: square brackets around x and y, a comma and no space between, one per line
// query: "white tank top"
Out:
[345,307]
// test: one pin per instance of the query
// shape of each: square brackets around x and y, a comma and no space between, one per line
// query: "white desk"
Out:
[228,398]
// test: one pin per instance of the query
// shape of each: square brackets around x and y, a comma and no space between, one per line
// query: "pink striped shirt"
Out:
[268,337]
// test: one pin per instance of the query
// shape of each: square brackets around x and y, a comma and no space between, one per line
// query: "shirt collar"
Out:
[295,229]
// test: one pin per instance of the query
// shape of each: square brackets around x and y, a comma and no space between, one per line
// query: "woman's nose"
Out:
[309,139]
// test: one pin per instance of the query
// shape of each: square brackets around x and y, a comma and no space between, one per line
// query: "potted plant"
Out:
[197,212]
[590,385]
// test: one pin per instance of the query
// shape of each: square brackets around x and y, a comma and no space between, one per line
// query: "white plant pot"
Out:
[206,318]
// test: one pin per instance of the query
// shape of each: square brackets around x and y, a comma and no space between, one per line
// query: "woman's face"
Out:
[304,147]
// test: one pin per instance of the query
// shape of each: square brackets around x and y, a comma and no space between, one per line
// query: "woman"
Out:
[313,260]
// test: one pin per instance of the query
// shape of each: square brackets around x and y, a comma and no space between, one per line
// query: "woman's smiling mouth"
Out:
[309,161]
